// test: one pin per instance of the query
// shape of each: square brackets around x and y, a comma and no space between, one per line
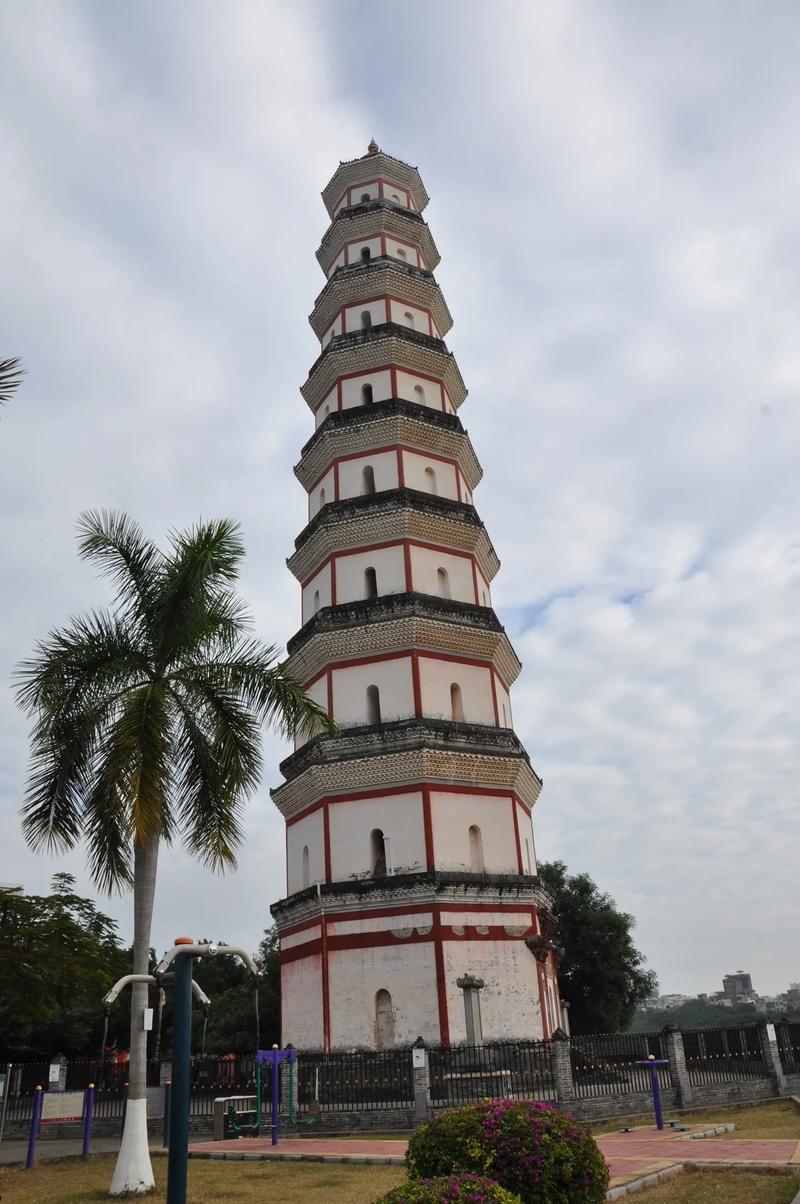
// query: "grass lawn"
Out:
[765,1120]
[75,1182]
[723,1188]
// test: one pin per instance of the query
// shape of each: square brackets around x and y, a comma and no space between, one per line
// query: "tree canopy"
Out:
[602,974]
[58,957]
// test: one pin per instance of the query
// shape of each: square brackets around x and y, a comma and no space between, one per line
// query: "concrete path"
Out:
[645,1151]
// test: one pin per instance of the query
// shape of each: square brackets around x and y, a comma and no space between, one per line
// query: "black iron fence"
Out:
[465,1073]
[721,1055]
[606,1063]
[366,1080]
[353,1081]
[787,1035]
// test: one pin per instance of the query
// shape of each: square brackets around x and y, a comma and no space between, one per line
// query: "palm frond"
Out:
[209,799]
[204,563]
[253,671]
[116,542]
[11,375]
[94,654]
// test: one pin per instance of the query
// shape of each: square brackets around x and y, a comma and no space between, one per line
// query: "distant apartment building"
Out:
[738,987]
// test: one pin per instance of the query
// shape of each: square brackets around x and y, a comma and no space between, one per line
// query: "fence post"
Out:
[673,1048]
[422,1081]
[562,1066]
[772,1057]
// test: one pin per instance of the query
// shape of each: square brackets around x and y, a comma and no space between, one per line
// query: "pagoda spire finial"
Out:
[373,147]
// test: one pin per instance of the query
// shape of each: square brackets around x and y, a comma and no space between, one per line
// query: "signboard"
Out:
[155,1103]
[418,1059]
[771,1032]
[3,1080]
[55,1072]
[62,1107]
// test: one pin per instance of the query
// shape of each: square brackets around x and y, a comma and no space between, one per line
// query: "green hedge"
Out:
[532,1150]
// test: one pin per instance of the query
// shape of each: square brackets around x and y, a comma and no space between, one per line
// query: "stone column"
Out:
[673,1048]
[422,1081]
[562,1066]
[772,1057]
[471,987]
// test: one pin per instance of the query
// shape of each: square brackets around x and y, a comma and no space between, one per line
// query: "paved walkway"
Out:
[643,1151]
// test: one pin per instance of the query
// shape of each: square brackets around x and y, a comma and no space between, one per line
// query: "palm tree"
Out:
[147,722]
[10,378]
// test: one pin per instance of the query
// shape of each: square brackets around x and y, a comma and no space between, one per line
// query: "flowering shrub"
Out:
[530,1149]
[450,1189]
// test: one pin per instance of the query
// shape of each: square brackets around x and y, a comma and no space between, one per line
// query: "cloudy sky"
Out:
[615,190]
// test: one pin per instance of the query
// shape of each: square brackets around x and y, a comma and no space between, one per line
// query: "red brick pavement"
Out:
[629,1155]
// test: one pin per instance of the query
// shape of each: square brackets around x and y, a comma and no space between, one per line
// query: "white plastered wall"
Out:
[436,677]
[400,819]
[317,692]
[484,592]
[399,311]
[510,1008]
[409,386]
[353,314]
[503,704]
[307,832]
[451,818]
[394,682]
[320,582]
[414,466]
[389,569]
[321,494]
[355,976]
[410,254]
[301,1002]
[351,473]
[354,249]
[351,388]
[328,405]
[425,563]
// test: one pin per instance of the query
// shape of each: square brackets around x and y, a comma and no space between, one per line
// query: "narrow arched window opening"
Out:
[366,395]
[322,497]
[370,583]
[368,479]
[443,583]
[316,600]
[365,196]
[395,197]
[401,253]
[419,395]
[377,847]
[456,703]
[476,863]
[366,254]
[306,868]
[431,483]
[505,716]
[326,411]
[485,598]
[366,320]
[384,1020]
[373,705]
[408,318]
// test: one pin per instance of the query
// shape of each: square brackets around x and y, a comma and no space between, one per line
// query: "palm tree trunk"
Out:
[133,1172]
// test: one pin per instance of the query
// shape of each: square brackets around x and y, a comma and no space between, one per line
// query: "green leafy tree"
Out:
[147,725]
[602,974]
[697,1013]
[10,378]
[58,954]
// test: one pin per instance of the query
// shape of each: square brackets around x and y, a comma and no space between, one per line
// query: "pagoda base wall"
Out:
[381,973]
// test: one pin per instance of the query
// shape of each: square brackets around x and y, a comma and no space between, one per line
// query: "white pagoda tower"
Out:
[413,906]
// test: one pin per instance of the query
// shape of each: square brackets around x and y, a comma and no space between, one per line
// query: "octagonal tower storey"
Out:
[410,858]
